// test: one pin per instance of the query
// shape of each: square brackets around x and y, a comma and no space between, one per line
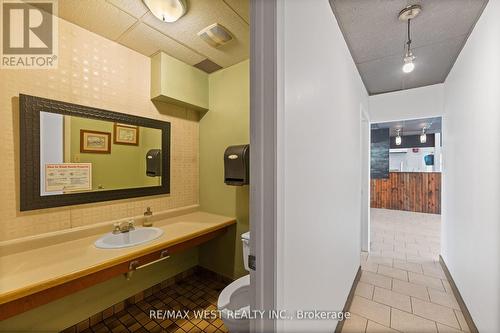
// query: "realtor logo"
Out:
[29,34]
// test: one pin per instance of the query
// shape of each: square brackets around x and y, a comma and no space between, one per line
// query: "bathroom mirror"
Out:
[73,154]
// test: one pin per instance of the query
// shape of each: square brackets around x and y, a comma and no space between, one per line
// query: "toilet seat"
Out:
[237,288]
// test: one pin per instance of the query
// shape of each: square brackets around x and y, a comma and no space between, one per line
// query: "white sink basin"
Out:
[127,239]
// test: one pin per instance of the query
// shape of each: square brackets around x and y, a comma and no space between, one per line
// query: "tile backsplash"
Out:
[97,72]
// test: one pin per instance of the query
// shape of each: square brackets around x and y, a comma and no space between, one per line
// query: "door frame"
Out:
[441,150]
[365,129]
[263,158]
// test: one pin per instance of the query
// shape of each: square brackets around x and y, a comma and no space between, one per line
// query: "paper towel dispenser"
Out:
[237,165]
[153,163]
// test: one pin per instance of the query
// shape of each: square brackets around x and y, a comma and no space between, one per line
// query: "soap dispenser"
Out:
[148,216]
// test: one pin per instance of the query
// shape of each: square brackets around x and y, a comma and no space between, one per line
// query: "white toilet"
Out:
[236,297]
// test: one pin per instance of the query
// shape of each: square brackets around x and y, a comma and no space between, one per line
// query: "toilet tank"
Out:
[245,240]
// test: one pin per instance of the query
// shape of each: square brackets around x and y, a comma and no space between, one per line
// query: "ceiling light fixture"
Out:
[398,140]
[167,10]
[407,14]
[423,136]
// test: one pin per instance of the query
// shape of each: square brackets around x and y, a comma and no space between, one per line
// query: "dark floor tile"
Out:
[171,328]
[195,329]
[88,330]
[151,325]
[141,330]
[203,324]
[166,323]
[100,328]
[109,320]
[133,309]
[217,322]
[129,321]
[150,299]
[194,292]
[134,327]
[180,322]
[210,329]
[120,329]
[112,325]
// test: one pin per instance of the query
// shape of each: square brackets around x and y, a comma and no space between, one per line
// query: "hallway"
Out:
[402,284]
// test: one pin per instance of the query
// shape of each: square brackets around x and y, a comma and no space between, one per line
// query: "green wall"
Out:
[125,167]
[225,124]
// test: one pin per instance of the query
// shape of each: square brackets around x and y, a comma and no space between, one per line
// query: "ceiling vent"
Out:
[215,35]
[207,66]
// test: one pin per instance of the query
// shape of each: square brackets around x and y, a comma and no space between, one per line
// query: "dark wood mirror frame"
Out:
[30,198]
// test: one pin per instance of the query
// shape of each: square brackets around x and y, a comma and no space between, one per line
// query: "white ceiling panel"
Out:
[135,8]
[97,16]
[148,41]
[241,7]
[130,23]
[200,15]
[432,65]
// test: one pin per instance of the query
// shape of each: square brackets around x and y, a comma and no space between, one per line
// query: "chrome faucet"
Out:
[120,227]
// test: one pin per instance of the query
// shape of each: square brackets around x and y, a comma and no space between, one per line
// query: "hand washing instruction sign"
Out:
[68,177]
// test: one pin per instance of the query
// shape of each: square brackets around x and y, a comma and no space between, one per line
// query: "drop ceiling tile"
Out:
[136,8]
[432,65]
[242,7]
[373,29]
[148,41]
[208,66]
[94,15]
[376,38]
[200,15]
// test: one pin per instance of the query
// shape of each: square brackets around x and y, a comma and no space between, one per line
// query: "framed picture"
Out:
[95,142]
[126,134]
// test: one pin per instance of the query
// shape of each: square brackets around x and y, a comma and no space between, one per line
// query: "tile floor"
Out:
[195,292]
[403,287]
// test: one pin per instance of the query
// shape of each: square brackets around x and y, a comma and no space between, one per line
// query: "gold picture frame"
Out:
[95,142]
[125,134]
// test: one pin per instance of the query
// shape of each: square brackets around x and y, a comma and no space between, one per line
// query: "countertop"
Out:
[30,271]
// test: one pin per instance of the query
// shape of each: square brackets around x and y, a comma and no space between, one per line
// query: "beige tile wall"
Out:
[96,72]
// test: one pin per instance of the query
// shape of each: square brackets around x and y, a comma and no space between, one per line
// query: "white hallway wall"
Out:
[469,102]
[415,103]
[319,163]
[471,197]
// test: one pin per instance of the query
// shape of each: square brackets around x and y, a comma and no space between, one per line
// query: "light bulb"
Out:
[397,140]
[409,65]
[423,138]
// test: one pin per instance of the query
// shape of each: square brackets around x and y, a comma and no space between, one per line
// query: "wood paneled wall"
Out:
[411,191]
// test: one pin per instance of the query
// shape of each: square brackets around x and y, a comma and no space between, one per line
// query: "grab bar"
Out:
[134,264]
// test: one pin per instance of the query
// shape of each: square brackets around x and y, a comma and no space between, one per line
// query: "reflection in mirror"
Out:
[86,155]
